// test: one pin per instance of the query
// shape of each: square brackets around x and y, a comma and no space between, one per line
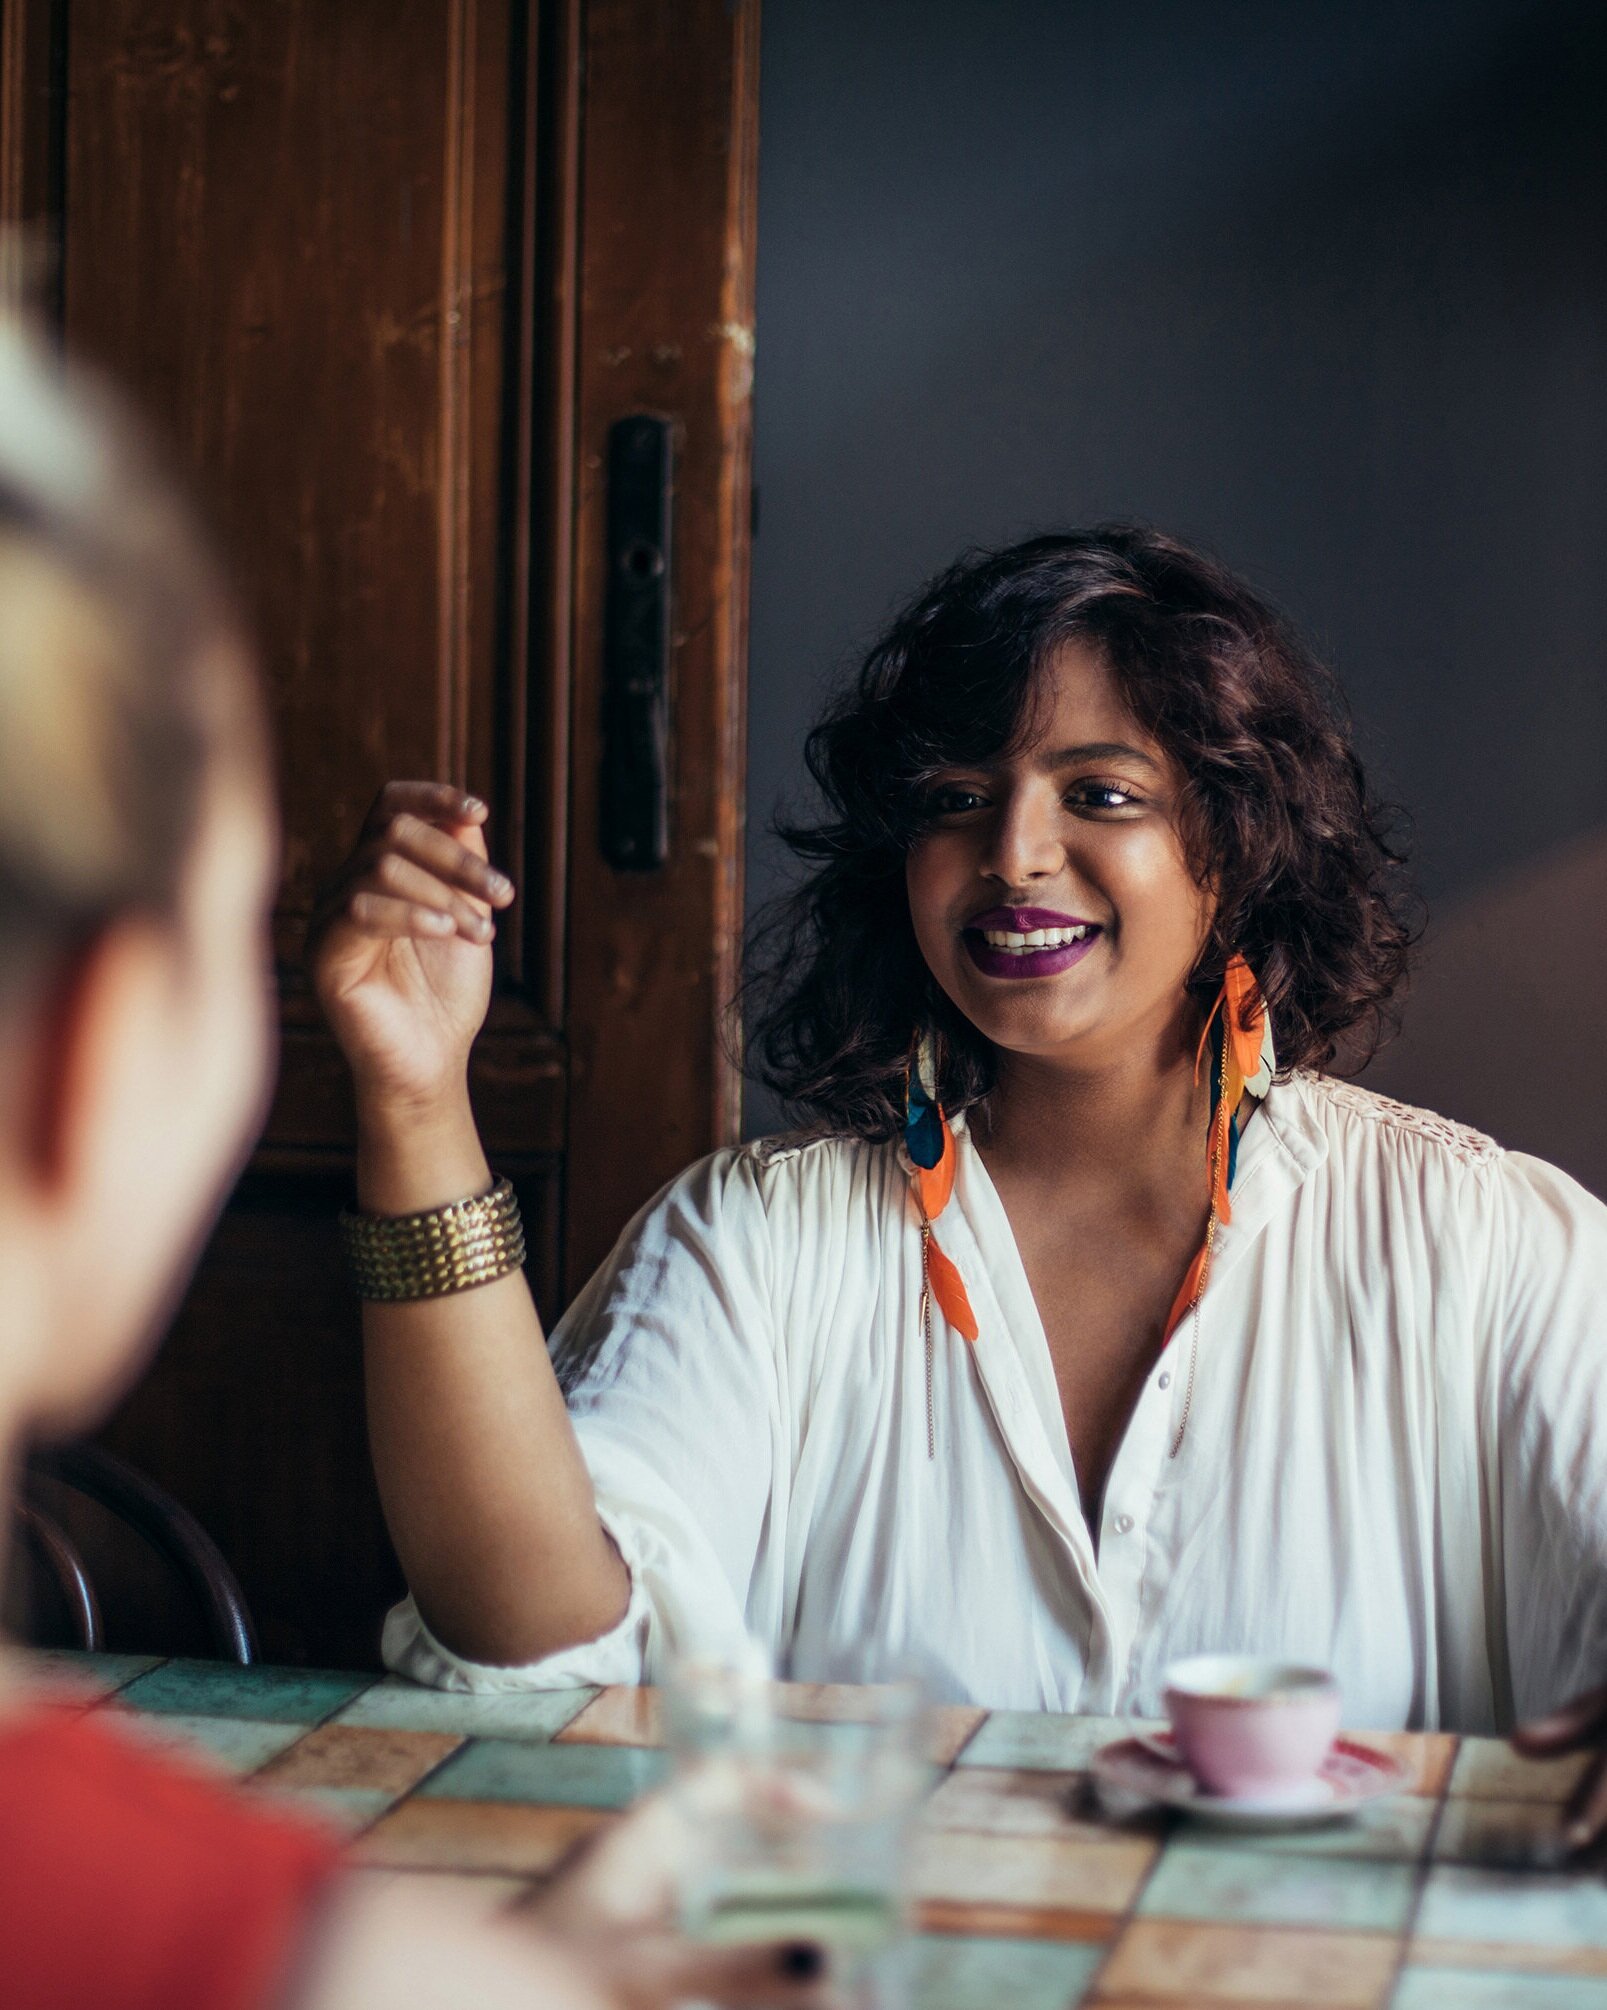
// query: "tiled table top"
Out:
[1029,1896]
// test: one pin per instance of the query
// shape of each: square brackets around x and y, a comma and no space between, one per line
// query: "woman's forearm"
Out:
[486,1494]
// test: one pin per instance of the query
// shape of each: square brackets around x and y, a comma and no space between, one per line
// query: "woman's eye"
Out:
[1103,796]
[953,801]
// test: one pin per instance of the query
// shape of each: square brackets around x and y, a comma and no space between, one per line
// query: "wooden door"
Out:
[386,272]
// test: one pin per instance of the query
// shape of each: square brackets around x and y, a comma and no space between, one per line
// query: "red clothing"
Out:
[132,1881]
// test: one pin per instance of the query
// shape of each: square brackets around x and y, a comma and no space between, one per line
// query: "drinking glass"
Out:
[800,1824]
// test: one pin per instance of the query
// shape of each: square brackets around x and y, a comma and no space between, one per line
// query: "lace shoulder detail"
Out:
[1461,1140]
[772,1151]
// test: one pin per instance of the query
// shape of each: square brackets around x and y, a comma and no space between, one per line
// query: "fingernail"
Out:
[802,1961]
[1577,1834]
[501,884]
[474,806]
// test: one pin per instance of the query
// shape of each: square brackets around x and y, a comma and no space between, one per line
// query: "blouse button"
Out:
[1124,1522]
[1166,1378]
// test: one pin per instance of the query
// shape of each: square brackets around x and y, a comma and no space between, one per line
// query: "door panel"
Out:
[385,272]
[289,230]
[666,327]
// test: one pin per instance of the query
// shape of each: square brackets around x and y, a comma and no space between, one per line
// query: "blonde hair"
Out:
[110,609]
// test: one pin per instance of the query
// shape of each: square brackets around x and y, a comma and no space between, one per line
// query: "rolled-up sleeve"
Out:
[668,1361]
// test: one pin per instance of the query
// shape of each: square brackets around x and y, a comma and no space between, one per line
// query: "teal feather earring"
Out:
[923,1117]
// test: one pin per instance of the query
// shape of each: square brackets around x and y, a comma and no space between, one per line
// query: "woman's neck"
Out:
[1130,1121]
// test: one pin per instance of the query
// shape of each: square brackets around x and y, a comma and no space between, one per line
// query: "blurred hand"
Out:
[400,945]
[613,1911]
[1579,1726]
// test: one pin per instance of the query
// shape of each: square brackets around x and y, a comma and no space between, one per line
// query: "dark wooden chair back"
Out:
[165,1527]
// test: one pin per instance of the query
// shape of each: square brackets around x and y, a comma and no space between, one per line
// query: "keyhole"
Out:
[642,561]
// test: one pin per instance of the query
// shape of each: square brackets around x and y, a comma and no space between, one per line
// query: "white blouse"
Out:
[1395,1462]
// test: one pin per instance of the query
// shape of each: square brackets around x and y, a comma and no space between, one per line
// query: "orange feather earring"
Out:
[929,1145]
[1245,1063]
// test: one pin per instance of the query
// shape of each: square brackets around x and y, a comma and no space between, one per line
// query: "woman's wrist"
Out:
[417,1152]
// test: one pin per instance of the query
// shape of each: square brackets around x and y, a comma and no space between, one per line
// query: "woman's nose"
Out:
[1024,841]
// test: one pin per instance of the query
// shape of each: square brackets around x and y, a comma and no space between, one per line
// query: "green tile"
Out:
[954,1974]
[1522,1907]
[534,1714]
[234,1742]
[1394,1831]
[571,1776]
[303,1696]
[1491,1770]
[101,1674]
[1464,1989]
[1036,1741]
[1253,1887]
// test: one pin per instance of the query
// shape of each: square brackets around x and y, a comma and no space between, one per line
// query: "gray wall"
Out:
[1319,285]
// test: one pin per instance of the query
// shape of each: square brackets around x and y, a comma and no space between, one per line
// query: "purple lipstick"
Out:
[1028,941]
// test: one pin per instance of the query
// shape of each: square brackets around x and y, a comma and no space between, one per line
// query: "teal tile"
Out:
[1502,1835]
[1252,1887]
[234,1742]
[570,1776]
[954,1974]
[534,1714]
[1489,1769]
[303,1696]
[98,1674]
[1036,1741]
[1464,1989]
[1525,1908]
[1393,1831]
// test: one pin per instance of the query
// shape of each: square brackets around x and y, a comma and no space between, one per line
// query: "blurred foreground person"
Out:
[137,864]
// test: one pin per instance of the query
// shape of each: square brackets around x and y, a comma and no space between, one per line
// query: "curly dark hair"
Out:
[1275,815]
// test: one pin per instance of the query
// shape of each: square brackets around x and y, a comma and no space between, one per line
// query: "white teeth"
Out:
[1018,944]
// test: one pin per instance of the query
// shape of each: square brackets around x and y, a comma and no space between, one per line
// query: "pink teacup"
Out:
[1250,1728]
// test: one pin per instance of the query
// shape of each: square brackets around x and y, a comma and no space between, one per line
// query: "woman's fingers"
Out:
[1581,1721]
[615,1900]
[435,802]
[408,836]
[382,915]
[399,878]
[1578,1725]
[1587,1811]
[650,1971]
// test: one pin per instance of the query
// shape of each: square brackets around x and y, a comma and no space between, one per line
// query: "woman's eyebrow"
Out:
[1098,750]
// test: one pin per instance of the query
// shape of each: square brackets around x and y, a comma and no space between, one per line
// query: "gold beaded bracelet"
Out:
[397,1258]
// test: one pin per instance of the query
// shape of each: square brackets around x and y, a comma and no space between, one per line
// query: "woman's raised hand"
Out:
[400,946]
[488,1499]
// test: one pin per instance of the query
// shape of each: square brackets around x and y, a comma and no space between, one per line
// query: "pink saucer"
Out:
[1349,1776]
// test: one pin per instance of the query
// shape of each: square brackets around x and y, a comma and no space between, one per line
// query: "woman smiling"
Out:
[1086,1322]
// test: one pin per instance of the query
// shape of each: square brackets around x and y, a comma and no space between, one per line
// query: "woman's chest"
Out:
[1281,1507]
[1103,1295]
